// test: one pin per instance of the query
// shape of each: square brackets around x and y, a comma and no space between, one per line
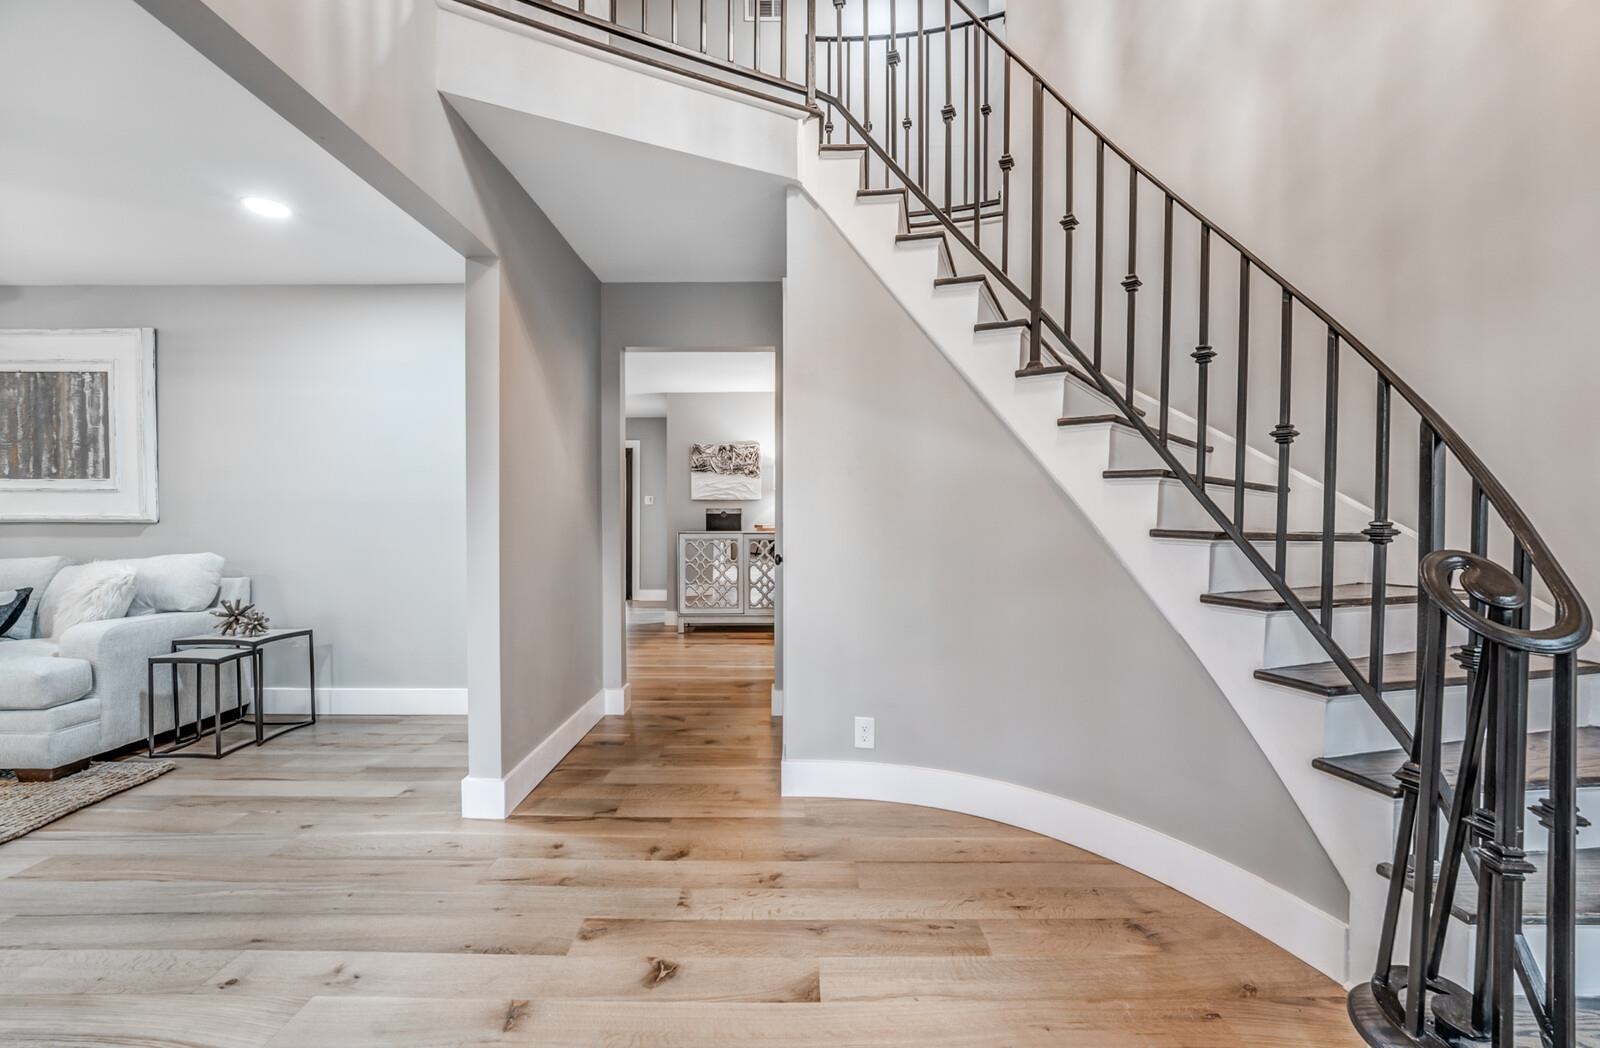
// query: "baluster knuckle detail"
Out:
[1203,355]
[1283,433]
[1131,283]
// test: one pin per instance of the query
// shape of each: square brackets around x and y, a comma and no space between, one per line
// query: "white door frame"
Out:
[633,510]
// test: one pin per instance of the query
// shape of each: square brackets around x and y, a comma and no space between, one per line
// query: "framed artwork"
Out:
[78,425]
[727,472]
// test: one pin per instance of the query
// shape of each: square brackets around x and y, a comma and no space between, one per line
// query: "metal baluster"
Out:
[1069,221]
[833,92]
[755,37]
[674,20]
[972,113]
[1503,858]
[1284,433]
[1241,413]
[731,59]
[1330,463]
[1131,283]
[906,123]
[1166,320]
[948,112]
[889,60]
[1379,533]
[1425,841]
[1036,254]
[783,34]
[811,36]
[1203,356]
[1099,242]
[1007,162]
[1558,813]
[923,109]
[981,164]
[845,68]
[975,154]
[1430,509]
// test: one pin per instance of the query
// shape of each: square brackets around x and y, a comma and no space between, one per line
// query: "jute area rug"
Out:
[26,806]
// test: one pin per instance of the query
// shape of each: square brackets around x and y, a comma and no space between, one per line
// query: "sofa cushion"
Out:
[34,572]
[41,682]
[42,646]
[90,592]
[175,582]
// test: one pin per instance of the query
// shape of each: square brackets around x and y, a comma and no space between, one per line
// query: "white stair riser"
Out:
[1178,508]
[1129,450]
[1231,570]
[1351,727]
[1288,643]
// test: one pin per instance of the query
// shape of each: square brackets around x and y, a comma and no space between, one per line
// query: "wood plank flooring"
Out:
[655,890]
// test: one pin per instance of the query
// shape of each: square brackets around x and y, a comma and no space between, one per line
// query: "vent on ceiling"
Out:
[771,10]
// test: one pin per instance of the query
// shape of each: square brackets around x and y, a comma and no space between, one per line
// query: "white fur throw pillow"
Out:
[86,593]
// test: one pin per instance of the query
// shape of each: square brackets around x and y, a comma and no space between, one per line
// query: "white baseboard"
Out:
[672,618]
[777,701]
[645,594]
[1316,937]
[485,798]
[618,700]
[371,702]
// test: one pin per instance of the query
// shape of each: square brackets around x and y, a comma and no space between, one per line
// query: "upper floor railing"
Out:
[1064,222]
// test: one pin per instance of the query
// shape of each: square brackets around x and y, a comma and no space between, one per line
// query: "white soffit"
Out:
[126,153]
[658,372]
[639,213]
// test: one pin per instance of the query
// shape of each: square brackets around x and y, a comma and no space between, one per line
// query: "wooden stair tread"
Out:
[881,193]
[1346,595]
[1399,674]
[1069,370]
[1465,904]
[844,147]
[1167,474]
[1376,770]
[1118,420]
[1207,535]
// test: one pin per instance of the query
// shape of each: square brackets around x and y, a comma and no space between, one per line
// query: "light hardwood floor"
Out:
[654,890]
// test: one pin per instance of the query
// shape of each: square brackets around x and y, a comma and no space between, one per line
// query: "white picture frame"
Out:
[129,492]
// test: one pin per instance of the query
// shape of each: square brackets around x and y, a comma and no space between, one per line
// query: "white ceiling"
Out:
[125,153]
[649,375]
[637,212]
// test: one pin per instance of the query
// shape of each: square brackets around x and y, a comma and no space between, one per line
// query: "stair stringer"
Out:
[1355,826]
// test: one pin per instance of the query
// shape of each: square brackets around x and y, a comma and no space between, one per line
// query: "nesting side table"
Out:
[255,646]
[199,658]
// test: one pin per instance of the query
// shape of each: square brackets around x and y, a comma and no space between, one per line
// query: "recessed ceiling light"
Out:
[265,208]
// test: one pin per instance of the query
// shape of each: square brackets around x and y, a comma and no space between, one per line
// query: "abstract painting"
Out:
[78,425]
[728,472]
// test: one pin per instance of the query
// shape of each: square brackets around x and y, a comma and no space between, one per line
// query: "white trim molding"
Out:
[371,702]
[618,700]
[1314,936]
[486,798]
[777,701]
[651,594]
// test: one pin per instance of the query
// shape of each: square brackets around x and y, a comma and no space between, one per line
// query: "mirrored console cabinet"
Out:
[726,577]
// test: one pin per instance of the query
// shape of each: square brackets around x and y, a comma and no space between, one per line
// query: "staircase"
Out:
[1380,612]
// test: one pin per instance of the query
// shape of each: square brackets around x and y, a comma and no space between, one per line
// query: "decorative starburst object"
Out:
[240,619]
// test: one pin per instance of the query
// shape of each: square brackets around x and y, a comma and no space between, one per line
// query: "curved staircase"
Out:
[1378,609]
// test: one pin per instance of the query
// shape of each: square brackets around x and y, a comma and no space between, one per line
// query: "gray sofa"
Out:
[67,698]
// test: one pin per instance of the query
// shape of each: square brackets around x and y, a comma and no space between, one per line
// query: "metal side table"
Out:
[255,646]
[199,658]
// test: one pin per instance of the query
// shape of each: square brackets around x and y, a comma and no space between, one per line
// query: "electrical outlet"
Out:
[649,500]
[866,738]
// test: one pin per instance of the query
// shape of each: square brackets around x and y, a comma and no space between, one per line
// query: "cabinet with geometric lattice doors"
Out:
[727,577]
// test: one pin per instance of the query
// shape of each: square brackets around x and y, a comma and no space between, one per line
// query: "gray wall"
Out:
[313,436]
[967,605]
[654,554]
[532,338]
[660,316]
[1438,199]
[704,418]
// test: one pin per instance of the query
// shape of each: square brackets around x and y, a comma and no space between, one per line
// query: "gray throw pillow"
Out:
[12,605]
[35,573]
